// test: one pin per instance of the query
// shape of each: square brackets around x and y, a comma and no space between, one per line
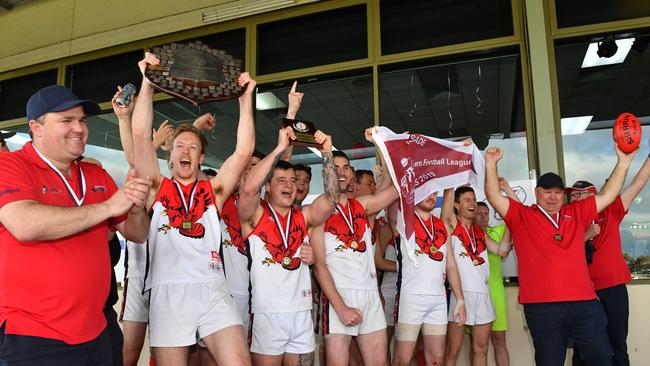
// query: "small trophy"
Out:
[304,131]
[195,73]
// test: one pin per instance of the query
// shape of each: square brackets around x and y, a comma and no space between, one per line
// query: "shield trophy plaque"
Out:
[195,72]
[304,131]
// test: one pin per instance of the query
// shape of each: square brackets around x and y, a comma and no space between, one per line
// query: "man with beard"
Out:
[470,247]
[554,285]
[421,302]
[189,294]
[346,272]
[279,254]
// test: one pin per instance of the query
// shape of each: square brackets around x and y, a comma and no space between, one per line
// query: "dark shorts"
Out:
[18,350]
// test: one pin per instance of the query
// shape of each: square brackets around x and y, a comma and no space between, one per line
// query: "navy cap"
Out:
[57,98]
[550,180]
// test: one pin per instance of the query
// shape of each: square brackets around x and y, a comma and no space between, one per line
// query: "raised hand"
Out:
[323,139]
[205,122]
[149,59]
[493,154]
[295,99]
[122,113]
[245,79]
[368,134]
[285,136]
[164,133]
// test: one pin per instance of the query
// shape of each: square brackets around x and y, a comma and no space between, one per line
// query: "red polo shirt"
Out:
[53,289]
[608,267]
[552,270]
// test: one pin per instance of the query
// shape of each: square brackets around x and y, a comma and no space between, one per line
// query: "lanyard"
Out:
[186,208]
[431,233]
[82,179]
[347,221]
[284,234]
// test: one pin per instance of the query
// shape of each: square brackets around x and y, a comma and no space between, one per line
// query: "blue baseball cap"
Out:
[57,98]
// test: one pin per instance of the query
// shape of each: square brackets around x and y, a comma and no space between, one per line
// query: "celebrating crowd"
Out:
[229,267]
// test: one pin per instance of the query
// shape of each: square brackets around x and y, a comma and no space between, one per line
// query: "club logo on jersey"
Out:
[98,189]
[473,255]
[186,224]
[274,244]
[429,247]
[336,226]
[233,227]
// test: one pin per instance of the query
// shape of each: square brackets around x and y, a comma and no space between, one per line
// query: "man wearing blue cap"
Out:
[55,214]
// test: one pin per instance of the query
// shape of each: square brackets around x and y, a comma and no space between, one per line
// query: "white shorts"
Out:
[278,333]
[389,307]
[135,304]
[421,309]
[244,309]
[181,313]
[478,306]
[370,305]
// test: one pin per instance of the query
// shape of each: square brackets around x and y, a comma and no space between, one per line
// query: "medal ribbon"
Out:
[348,222]
[82,179]
[554,222]
[431,233]
[284,234]
[186,208]
[472,238]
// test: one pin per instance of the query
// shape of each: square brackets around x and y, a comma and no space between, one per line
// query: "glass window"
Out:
[481,98]
[15,92]
[582,12]
[340,105]
[312,40]
[421,24]
[598,95]
[98,79]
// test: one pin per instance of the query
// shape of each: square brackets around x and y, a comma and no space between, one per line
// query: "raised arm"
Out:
[492,191]
[146,161]
[447,209]
[381,199]
[507,189]
[226,180]
[639,181]
[124,123]
[249,209]
[460,314]
[612,188]
[348,316]
[316,213]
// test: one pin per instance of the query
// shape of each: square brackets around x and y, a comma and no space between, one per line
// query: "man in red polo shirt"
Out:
[607,267]
[554,285]
[56,212]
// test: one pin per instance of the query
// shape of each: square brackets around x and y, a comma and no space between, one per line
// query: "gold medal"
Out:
[558,237]
[354,244]
[187,225]
[286,261]
[433,249]
[475,262]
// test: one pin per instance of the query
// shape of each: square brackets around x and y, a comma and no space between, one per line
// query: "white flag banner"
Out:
[420,165]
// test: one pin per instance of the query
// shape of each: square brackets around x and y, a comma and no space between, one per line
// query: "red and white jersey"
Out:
[471,257]
[428,278]
[136,259]
[280,282]
[183,247]
[348,247]
[233,250]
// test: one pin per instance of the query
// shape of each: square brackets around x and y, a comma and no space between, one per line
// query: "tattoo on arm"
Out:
[305,359]
[330,178]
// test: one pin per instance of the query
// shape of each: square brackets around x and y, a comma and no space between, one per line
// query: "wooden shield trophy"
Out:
[195,73]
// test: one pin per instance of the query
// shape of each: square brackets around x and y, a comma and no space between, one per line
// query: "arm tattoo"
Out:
[330,178]
[305,359]
[276,158]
